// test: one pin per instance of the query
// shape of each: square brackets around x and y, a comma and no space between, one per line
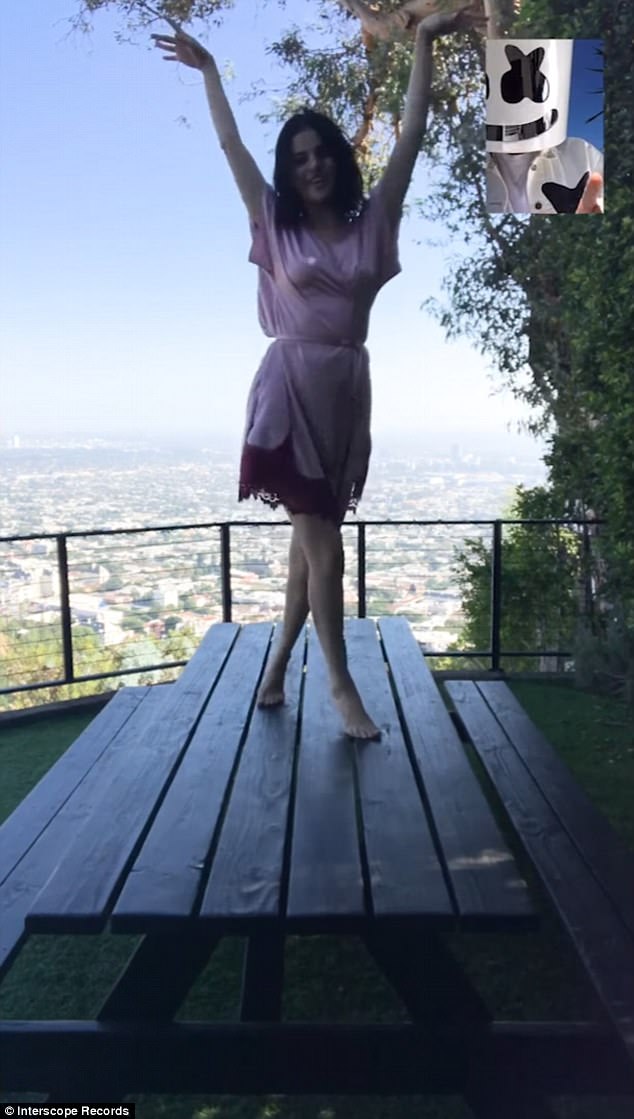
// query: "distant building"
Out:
[155,628]
[85,607]
[49,582]
[165,594]
[110,621]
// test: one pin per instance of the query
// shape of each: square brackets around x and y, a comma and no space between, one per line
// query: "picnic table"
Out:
[185,813]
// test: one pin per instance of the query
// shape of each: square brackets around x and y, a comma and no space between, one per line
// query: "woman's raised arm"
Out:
[396,178]
[249,179]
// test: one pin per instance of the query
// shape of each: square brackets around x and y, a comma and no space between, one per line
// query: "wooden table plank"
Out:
[20,889]
[132,776]
[605,852]
[406,875]
[484,876]
[206,663]
[33,815]
[325,877]
[246,875]
[600,937]
[168,874]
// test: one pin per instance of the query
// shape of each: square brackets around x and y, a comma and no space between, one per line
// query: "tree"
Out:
[180,645]
[541,567]
[32,653]
[566,285]
[361,80]
[172,623]
[114,583]
[133,622]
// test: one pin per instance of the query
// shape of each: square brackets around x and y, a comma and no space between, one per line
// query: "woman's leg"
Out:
[295,613]
[322,546]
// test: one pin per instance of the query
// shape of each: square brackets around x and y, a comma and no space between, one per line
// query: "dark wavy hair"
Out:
[347,200]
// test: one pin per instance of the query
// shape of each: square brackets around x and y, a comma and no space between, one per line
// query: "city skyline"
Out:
[130,592]
[386,441]
[111,484]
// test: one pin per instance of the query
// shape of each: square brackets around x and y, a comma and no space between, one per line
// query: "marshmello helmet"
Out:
[527,93]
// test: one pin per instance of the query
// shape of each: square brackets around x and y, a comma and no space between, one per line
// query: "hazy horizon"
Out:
[431,438]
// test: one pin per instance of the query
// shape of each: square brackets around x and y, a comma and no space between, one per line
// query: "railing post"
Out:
[586,574]
[361,567]
[496,595]
[225,571]
[64,591]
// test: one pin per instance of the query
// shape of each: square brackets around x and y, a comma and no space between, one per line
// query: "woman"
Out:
[323,253]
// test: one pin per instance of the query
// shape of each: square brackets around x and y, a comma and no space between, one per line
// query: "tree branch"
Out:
[388,25]
[366,124]
[491,10]
[158,15]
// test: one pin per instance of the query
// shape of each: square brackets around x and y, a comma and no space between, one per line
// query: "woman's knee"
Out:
[320,541]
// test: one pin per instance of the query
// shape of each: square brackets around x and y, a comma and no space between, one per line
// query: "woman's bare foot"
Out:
[271,690]
[356,721]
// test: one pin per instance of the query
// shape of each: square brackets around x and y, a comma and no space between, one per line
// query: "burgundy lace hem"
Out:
[271,476]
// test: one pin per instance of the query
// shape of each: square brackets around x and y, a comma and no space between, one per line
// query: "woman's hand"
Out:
[183,48]
[443,23]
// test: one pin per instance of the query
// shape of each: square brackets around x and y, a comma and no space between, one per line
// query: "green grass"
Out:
[29,749]
[532,976]
[595,737]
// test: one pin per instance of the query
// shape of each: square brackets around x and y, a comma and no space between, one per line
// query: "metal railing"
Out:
[494,653]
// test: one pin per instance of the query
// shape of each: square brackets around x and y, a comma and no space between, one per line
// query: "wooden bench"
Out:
[36,836]
[584,866]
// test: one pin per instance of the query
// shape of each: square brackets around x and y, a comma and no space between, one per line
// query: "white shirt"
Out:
[543,182]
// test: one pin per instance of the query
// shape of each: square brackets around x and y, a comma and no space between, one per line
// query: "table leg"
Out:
[158,976]
[436,991]
[152,986]
[263,977]
[427,978]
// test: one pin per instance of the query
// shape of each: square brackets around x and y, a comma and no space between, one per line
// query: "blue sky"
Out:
[128,300]
[584,101]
